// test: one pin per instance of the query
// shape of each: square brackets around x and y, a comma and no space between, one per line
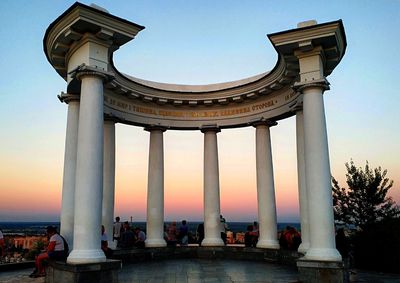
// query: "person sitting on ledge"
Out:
[140,238]
[2,244]
[104,243]
[183,233]
[249,237]
[56,250]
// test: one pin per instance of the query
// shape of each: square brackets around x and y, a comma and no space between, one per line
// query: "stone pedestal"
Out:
[101,272]
[312,271]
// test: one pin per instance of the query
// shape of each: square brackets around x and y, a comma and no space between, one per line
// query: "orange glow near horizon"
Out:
[37,195]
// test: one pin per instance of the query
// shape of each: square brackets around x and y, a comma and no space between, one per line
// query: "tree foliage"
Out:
[365,201]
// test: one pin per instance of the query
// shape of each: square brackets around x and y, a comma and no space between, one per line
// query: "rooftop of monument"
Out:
[71,46]
[80,19]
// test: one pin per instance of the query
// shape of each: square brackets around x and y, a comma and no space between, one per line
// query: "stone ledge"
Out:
[312,271]
[101,272]
[237,253]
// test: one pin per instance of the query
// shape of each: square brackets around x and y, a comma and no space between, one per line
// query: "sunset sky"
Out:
[196,42]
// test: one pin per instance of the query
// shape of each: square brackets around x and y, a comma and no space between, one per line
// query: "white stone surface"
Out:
[318,178]
[155,191]
[107,218]
[89,174]
[212,232]
[68,191]
[301,179]
[268,237]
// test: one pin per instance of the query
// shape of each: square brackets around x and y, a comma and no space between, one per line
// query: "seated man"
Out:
[140,238]
[55,250]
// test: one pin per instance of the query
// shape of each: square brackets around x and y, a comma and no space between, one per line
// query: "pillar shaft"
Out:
[109,179]
[68,190]
[212,232]
[155,191]
[268,234]
[89,173]
[318,178]
[301,179]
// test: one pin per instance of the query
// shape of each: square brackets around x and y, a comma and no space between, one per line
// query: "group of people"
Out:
[174,235]
[126,237]
[290,238]
[251,235]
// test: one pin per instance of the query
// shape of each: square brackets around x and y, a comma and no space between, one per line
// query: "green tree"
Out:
[365,201]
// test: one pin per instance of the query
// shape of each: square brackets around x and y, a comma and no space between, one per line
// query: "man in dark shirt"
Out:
[127,237]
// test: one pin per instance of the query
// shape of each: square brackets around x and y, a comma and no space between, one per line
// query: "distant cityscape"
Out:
[22,236]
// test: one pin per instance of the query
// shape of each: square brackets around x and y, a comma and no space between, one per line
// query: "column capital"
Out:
[84,70]
[67,97]
[264,122]
[210,128]
[155,128]
[322,84]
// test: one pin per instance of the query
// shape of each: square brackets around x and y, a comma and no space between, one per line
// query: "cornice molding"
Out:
[67,97]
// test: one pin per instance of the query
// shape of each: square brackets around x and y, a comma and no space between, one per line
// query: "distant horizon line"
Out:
[142,221]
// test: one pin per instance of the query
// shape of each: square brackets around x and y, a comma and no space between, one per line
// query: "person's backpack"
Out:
[66,247]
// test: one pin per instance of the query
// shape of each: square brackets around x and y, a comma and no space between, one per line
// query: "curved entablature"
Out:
[86,36]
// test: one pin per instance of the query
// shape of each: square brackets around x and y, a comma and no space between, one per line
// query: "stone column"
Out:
[212,232]
[155,190]
[68,190]
[109,180]
[318,176]
[268,234]
[89,170]
[301,179]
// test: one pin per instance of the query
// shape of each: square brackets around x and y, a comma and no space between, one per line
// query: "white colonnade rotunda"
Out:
[80,44]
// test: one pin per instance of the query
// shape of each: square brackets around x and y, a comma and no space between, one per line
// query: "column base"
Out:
[268,244]
[326,254]
[103,272]
[155,243]
[313,271]
[86,256]
[212,242]
[303,248]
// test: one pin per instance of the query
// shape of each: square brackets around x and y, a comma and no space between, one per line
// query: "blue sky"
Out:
[198,42]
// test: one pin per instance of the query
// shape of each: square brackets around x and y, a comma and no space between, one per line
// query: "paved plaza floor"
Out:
[202,270]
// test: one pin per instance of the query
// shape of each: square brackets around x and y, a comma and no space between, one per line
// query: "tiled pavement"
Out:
[201,270]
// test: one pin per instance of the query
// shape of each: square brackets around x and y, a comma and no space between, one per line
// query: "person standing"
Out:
[200,233]
[117,229]
[127,237]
